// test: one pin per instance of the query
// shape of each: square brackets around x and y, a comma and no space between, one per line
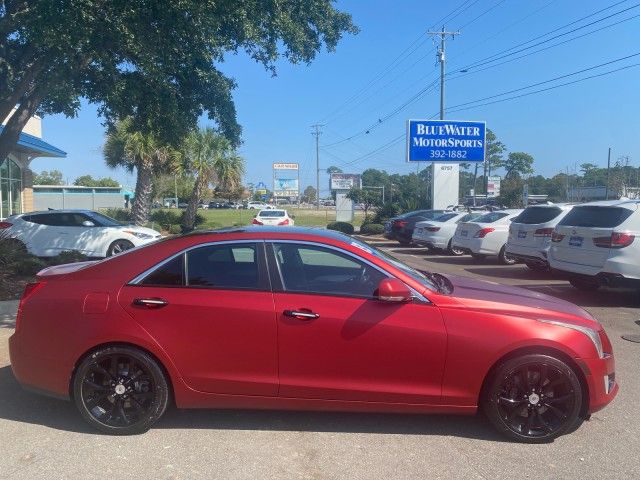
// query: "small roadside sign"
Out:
[454,141]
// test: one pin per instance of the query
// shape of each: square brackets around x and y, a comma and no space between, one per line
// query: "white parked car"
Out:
[438,233]
[530,234]
[597,244]
[46,234]
[486,235]
[272,217]
[259,206]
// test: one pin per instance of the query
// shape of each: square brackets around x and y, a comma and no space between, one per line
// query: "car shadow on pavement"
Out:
[474,427]
[19,405]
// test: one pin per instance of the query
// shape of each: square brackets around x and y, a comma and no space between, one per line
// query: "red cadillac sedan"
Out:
[303,319]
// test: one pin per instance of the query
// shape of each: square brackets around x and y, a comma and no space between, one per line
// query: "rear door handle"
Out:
[150,302]
[301,314]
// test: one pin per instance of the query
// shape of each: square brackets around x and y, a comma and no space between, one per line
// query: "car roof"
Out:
[67,210]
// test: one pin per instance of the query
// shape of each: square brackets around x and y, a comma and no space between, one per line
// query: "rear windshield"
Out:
[534,215]
[445,217]
[592,216]
[470,216]
[272,213]
[491,217]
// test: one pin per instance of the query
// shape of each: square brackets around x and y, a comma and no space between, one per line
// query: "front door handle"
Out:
[150,302]
[301,314]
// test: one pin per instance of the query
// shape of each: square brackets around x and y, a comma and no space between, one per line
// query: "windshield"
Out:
[104,220]
[418,275]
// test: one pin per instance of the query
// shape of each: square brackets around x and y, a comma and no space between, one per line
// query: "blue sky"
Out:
[372,74]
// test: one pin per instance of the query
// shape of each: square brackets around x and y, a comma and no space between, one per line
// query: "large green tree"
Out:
[51,177]
[143,152]
[89,181]
[211,159]
[518,164]
[155,61]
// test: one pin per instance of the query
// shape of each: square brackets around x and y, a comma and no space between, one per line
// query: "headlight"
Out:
[589,332]
[140,235]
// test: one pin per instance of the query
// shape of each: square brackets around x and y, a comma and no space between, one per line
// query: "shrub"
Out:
[165,218]
[385,212]
[28,265]
[121,214]
[69,256]
[174,229]
[371,229]
[343,227]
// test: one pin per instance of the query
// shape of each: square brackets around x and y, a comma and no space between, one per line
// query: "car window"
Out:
[70,219]
[491,217]
[272,213]
[596,216]
[469,217]
[445,217]
[223,266]
[534,215]
[171,274]
[315,269]
[103,221]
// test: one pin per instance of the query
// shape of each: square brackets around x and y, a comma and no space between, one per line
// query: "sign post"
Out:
[342,183]
[445,143]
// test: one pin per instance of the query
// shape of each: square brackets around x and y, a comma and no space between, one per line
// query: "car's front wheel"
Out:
[455,251]
[119,246]
[120,390]
[534,398]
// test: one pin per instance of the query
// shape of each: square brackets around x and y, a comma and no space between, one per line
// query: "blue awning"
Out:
[36,147]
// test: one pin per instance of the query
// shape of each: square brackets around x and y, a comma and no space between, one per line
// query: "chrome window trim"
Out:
[139,278]
[414,292]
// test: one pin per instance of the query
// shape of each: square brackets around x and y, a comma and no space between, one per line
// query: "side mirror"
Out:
[394,291]
[88,223]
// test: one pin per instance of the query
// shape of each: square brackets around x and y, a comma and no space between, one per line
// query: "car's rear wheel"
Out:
[505,258]
[119,246]
[534,398]
[120,390]
[454,250]
[584,285]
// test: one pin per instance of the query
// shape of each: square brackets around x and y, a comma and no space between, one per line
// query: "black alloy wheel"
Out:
[119,246]
[505,258]
[534,399]
[120,390]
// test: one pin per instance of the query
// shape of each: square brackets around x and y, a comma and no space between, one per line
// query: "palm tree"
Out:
[143,152]
[210,157]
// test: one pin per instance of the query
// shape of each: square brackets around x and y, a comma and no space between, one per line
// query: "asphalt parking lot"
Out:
[46,438]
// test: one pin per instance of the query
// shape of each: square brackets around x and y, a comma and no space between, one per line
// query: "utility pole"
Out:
[606,195]
[441,58]
[316,133]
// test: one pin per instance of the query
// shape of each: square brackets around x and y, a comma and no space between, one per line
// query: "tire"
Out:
[505,258]
[584,285]
[404,243]
[536,267]
[102,385]
[478,257]
[451,250]
[119,246]
[534,398]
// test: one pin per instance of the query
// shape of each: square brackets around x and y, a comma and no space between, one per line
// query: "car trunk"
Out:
[530,228]
[575,236]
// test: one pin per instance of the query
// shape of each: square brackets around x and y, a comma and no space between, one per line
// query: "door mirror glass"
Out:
[88,223]
[393,290]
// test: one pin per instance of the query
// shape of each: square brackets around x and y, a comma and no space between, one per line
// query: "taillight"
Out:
[615,240]
[399,223]
[543,232]
[284,222]
[606,343]
[557,237]
[29,290]
[483,232]
[4,225]
[433,229]
[255,221]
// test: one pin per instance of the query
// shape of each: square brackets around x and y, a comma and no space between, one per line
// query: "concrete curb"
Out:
[8,311]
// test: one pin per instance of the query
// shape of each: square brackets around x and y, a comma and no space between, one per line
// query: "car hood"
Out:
[489,296]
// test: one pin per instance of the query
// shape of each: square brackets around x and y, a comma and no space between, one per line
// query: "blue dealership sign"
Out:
[455,141]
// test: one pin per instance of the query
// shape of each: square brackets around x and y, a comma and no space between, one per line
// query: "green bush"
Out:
[343,227]
[165,218]
[385,212]
[69,256]
[121,214]
[28,265]
[371,229]
[174,229]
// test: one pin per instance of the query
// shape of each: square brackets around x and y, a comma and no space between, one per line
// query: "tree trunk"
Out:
[144,186]
[475,178]
[189,220]
[11,132]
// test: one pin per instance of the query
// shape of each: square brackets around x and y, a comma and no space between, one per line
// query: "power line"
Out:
[482,14]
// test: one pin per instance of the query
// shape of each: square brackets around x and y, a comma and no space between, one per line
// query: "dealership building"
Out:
[16,179]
